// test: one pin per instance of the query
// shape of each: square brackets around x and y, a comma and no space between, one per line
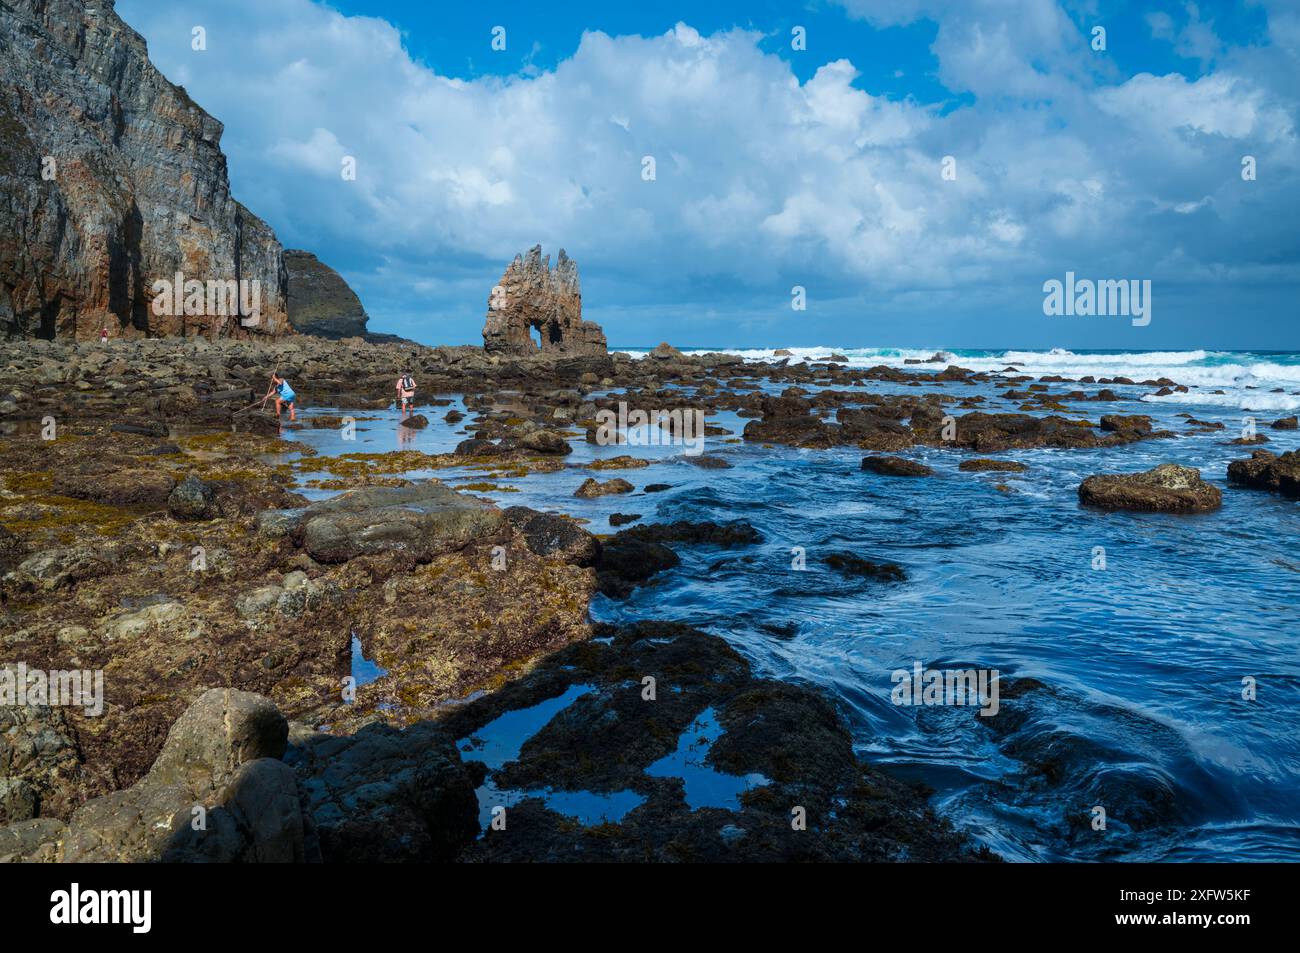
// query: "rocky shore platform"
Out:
[155,529]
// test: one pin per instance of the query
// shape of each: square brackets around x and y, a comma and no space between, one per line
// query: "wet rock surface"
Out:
[1264,470]
[895,466]
[448,598]
[788,746]
[1167,488]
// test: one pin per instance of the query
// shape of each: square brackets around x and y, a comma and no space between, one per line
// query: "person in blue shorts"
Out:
[283,393]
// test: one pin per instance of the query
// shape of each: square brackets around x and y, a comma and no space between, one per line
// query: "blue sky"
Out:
[775,167]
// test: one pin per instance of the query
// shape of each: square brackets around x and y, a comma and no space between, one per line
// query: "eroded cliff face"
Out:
[530,295]
[112,178]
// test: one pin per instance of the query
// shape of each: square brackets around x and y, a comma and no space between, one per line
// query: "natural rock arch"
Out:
[530,295]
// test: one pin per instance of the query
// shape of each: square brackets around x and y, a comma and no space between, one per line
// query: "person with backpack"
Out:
[406,393]
[284,395]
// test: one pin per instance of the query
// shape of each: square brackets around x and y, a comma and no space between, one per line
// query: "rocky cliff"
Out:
[112,178]
[320,301]
[531,296]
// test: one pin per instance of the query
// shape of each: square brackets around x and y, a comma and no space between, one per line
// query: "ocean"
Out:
[1168,670]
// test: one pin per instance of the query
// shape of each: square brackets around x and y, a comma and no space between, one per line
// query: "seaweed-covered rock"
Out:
[983,464]
[1116,423]
[423,521]
[116,488]
[721,766]
[627,561]
[191,499]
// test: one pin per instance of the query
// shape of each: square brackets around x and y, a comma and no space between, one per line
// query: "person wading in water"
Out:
[406,393]
[283,393]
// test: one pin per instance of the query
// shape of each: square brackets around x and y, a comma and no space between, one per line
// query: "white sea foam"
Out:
[1247,379]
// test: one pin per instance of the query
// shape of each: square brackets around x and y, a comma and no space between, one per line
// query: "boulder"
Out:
[895,466]
[1167,488]
[220,763]
[424,520]
[1264,470]
[591,487]
[545,442]
[549,534]
[191,499]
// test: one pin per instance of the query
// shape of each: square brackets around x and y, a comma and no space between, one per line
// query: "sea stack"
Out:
[320,301]
[530,295]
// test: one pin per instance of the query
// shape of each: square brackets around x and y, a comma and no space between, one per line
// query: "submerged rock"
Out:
[982,464]
[850,565]
[1078,753]
[1167,488]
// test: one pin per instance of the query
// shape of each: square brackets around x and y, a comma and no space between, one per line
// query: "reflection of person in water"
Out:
[405,437]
